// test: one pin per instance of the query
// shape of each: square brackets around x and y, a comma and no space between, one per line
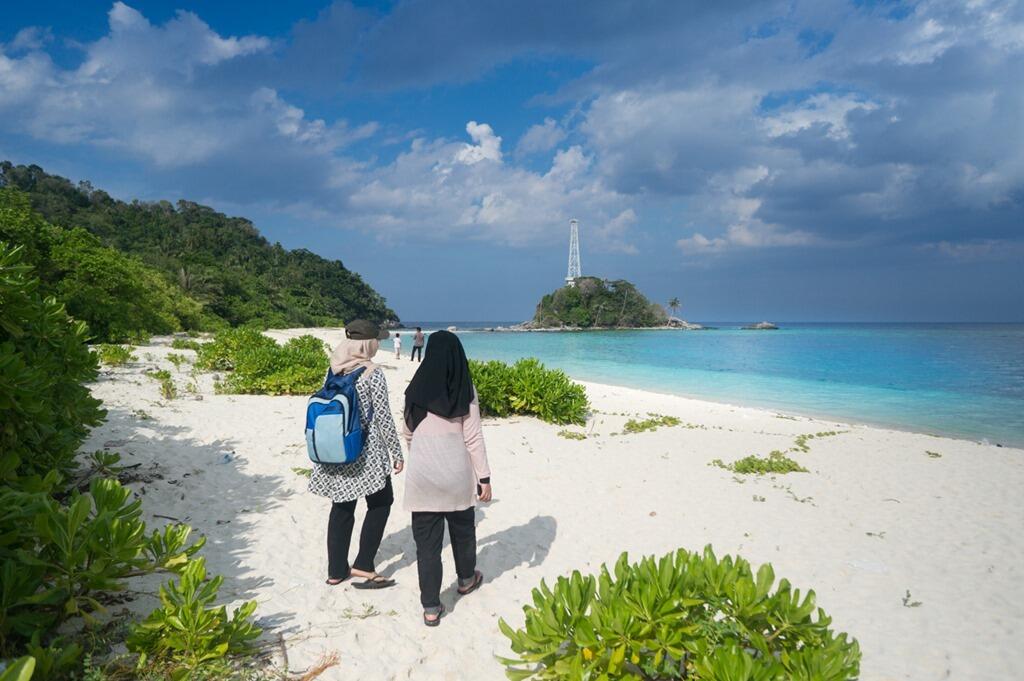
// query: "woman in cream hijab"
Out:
[369,476]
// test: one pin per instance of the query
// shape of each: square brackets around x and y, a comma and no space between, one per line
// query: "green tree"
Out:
[673,305]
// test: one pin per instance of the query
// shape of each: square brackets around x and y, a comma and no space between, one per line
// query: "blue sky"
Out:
[760,160]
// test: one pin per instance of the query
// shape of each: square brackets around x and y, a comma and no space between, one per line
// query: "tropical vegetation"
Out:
[217,270]
[256,364]
[528,387]
[686,615]
[597,303]
[70,532]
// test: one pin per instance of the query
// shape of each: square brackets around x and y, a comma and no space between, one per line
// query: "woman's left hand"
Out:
[399,465]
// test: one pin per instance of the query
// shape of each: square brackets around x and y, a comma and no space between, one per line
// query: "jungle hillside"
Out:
[210,270]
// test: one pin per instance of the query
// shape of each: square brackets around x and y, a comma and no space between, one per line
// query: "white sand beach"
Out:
[876,516]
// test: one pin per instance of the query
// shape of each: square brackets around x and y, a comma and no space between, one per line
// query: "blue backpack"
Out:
[334,431]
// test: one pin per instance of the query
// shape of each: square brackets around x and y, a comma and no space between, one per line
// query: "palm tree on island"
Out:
[673,305]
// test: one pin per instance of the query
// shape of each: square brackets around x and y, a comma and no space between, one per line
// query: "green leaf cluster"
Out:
[527,387]
[221,263]
[114,355]
[188,633]
[775,462]
[258,365]
[186,344]
[598,303]
[687,615]
[652,423]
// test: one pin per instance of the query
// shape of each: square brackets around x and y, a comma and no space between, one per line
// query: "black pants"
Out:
[339,532]
[415,349]
[428,531]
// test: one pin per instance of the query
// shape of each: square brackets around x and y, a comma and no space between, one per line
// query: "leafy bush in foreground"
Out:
[187,632]
[684,616]
[63,551]
[258,365]
[527,387]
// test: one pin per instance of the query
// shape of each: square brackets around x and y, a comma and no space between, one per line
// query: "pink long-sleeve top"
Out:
[446,459]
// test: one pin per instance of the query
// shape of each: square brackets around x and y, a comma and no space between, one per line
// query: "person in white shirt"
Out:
[398,346]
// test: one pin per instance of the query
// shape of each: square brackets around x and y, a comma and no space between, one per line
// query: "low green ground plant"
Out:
[114,355]
[528,387]
[572,434]
[687,615]
[168,390]
[775,462]
[186,344]
[653,422]
[801,442]
[177,360]
[258,365]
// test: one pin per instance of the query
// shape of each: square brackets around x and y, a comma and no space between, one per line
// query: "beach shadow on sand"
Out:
[177,478]
[496,553]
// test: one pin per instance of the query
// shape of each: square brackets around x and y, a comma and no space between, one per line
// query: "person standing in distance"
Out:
[398,346]
[417,345]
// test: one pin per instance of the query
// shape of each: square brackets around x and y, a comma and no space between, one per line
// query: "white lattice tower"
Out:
[574,254]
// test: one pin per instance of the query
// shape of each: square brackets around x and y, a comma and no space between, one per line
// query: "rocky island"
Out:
[594,303]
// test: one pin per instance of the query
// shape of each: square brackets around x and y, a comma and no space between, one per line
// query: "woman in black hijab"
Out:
[447,468]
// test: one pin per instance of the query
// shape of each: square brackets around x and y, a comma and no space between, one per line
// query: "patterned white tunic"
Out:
[369,473]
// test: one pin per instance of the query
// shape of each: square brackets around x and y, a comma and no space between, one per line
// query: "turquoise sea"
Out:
[962,380]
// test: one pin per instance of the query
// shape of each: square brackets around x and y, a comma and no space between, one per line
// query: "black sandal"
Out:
[375,582]
[335,581]
[478,579]
[437,620]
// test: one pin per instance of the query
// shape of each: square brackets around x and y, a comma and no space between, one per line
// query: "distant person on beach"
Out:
[398,346]
[369,476]
[417,345]
[448,468]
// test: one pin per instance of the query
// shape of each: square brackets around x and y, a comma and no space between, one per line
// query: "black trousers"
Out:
[339,532]
[416,349]
[428,531]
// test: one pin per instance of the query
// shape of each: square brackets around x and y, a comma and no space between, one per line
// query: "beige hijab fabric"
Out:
[350,354]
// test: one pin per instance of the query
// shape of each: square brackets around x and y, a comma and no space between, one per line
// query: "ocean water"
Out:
[962,380]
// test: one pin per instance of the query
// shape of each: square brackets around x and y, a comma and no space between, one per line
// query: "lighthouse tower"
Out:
[574,272]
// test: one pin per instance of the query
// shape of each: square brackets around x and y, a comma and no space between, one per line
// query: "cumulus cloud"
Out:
[486,147]
[541,137]
[443,189]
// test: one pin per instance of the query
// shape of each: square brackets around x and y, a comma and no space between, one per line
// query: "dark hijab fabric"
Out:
[442,384]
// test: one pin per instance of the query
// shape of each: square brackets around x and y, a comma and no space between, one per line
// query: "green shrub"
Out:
[42,354]
[187,635]
[684,616]
[527,387]
[775,462]
[186,344]
[572,435]
[258,365]
[62,552]
[159,374]
[115,355]
[177,360]
[168,390]
[652,423]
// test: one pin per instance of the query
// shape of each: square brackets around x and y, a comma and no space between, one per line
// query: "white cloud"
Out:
[441,189]
[487,147]
[28,39]
[541,137]
[823,109]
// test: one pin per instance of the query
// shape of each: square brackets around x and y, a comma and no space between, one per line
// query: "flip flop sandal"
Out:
[335,581]
[436,621]
[375,582]
[478,579]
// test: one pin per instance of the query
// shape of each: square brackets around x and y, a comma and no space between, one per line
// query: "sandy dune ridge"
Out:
[876,517]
